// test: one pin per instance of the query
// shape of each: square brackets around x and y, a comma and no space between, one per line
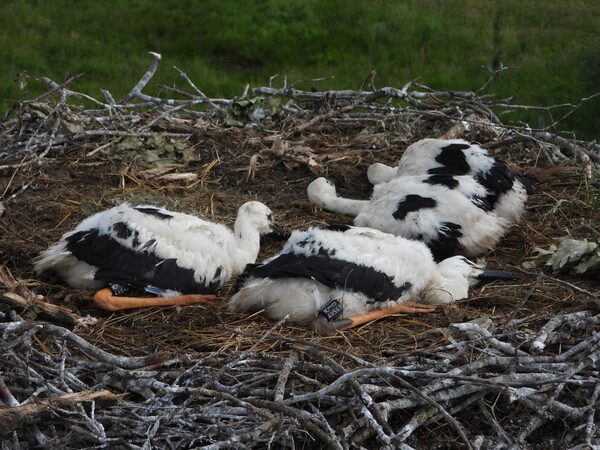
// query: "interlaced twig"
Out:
[454,113]
[500,385]
[265,397]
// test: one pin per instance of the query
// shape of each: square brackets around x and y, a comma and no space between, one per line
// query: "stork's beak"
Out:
[278,232]
[489,275]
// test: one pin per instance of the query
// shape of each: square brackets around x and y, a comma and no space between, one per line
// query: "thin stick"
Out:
[137,89]
[283,376]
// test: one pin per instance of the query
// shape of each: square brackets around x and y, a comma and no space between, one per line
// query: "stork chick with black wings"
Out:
[177,257]
[339,279]
[506,190]
[450,214]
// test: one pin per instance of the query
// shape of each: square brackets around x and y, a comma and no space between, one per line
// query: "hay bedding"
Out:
[514,366]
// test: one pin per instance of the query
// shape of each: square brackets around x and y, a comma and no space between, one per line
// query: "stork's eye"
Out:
[270,216]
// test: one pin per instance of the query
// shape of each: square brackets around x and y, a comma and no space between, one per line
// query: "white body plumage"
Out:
[403,266]
[146,245]
[447,213]
[507,192]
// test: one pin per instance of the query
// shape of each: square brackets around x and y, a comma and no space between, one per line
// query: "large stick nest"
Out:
[515,365]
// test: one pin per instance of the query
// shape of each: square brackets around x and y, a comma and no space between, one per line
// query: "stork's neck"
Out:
[248,239]
[332,202]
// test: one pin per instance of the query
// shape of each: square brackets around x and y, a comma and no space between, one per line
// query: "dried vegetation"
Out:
[514,366]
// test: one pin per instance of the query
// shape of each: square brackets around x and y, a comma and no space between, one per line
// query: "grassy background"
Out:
[223,44]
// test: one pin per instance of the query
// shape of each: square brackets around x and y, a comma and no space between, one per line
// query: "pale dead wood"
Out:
[371,398]
[15,416]
[19,296]
[284,375]
[415,104]
[31,328]
[513,380]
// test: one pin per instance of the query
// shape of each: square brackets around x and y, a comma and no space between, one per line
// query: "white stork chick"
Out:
[156,251]
[339,279]
[507,191]
[448,213]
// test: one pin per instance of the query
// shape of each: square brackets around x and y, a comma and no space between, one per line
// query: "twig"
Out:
[283,376]
[26,299]
[16,328]
[539,343]
[457,426]
[137,89]
[16,415]
[572,286]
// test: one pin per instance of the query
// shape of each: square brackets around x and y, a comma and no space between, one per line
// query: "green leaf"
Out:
[570,251]
[168,149]
[155,141]
[232,121]
[74,128]
[129,143]
[150,156]
[180,146]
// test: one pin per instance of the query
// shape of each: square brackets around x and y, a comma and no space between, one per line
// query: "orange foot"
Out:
[325,328]
[104,299]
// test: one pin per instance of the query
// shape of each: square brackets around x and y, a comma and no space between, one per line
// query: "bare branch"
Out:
[137,89]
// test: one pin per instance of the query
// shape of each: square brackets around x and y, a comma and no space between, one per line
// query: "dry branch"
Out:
[20,296]
[17,416]
[506,382]
[452,113]
[348,403]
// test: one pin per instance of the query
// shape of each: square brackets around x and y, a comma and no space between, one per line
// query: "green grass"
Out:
[223,44]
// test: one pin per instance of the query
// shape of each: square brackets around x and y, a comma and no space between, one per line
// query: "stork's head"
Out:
[321,191]
[476,272]
[261,218]
[460,268]
[456,275]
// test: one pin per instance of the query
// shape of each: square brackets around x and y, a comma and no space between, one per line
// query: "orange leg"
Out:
[104,299]
[321,326]
[406,307]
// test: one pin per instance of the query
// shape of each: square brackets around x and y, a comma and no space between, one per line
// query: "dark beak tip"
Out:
[493,275]
[279,233]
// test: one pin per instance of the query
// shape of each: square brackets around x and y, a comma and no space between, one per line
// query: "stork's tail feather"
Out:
[243,277]
[245,298]
[50,257]
[488,275]
[342,227]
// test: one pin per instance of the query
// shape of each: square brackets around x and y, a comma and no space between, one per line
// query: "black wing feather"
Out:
[135,268]
[331,272]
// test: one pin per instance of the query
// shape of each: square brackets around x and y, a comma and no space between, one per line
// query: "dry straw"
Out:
[512,366]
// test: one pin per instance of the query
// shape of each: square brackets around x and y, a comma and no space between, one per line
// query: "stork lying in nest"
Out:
[452,195]
[177,257]
[448,213]
[332,280]
[506,190]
